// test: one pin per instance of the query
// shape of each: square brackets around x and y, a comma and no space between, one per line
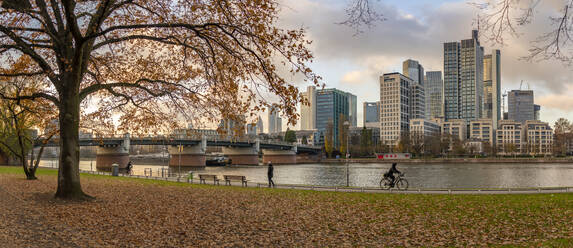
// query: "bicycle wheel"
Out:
[402,184]
[385,183]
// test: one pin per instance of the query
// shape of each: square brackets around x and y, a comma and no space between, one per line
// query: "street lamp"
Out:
[346,126]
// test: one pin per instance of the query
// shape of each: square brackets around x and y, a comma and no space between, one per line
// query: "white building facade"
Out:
[395,105]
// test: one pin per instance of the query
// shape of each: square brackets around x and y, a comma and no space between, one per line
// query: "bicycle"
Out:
[400,182]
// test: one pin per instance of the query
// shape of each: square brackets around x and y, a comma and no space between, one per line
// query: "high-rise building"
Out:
[520,103]
[251,129]
[352,110]
[308,112]
[434,89]
[371,111]
[414,70]
[536,112]
[492,87]
[330,105]
[395,107]
[233,127]
[418,101]
[463,79]
[275,122]
[260,127]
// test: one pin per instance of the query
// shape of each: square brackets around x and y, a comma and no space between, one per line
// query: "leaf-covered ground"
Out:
[145,213]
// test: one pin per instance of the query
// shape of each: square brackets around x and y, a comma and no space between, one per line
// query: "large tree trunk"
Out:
[69,186]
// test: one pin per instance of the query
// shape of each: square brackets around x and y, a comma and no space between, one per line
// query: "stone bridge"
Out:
[189,151]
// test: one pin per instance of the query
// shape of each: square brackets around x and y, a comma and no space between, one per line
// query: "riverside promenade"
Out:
[567,160]
[451,191]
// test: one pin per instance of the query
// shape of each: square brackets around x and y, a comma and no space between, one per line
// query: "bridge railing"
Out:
[198,137]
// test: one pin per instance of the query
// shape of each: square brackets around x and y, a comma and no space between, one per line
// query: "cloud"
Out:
[561,101]
[355,63]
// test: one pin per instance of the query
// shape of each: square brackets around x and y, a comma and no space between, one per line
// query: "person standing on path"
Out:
[128,168]
[270,174]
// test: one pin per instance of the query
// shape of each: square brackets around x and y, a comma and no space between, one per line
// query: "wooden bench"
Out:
[229,178]
[203,177]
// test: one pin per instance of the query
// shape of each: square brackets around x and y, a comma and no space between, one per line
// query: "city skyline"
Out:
[415,30]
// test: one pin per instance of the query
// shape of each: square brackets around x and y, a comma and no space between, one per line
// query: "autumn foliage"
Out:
[153,64]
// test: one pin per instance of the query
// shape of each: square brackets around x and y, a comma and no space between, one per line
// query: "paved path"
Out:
[547,190]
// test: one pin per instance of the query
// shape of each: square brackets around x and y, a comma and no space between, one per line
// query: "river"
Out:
[450,175]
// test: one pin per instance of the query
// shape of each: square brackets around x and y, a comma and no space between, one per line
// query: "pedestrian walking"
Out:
[128,168]
[270,174]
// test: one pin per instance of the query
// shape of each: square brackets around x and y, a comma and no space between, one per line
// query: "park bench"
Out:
[203,177]
[229,178]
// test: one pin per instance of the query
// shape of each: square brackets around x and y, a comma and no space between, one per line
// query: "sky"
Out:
[417,29]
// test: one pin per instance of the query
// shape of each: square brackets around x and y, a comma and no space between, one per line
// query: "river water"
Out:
[451,175]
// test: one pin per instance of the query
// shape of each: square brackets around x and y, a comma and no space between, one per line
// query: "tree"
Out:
[361,12]
[562,126]
[366,141]
[290,136]
[417,143]
[446,143]
[153,63]
[304,140]
[458,146]
[499,19]
[487,148]
[506,17]
[328,138]
[405,143]
[17,138]
[432,144]
[343,134]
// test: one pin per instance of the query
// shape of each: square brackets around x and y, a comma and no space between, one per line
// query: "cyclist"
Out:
[390,174]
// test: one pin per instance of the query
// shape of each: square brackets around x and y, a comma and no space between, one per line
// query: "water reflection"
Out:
[369,175]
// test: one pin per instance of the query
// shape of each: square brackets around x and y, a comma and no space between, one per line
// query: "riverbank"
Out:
[139,212]
[453,160]
[163,160]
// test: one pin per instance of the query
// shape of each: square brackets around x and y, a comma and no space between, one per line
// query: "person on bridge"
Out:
[270,174]
[391,172]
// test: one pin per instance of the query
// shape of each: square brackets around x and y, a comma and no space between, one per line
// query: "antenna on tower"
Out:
[503,96]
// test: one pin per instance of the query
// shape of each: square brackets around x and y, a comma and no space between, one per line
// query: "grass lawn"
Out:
[140,213]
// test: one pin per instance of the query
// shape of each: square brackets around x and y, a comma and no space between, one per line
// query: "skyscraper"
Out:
[492,87]
[275,122]
[536,112]
[308,112]
[395,102]
[414,70]
[352,110]
[260,126]
[434,87]
[520,105]
[330,105]
[418,101]
[371,111]
[463,79]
